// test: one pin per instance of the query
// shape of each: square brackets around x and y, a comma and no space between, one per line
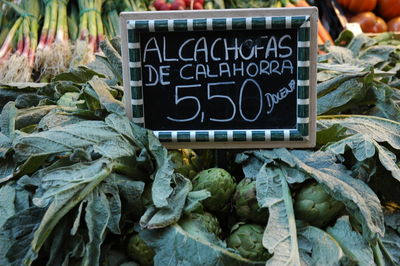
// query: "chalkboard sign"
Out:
[224,78]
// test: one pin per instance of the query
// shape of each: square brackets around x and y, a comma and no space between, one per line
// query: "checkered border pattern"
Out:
[302,23]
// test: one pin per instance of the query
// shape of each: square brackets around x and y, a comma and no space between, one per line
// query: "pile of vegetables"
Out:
[374,16]
[42,38]
[19,40]
[81,184]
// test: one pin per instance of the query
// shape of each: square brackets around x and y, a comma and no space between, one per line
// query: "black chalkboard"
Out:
[202,80]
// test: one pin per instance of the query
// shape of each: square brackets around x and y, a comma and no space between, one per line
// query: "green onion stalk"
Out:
[73,20]
[111,10]
[250,3]
[18,50]
[54,49]
[7,19]
[7,23]
[137,5]
[91,32]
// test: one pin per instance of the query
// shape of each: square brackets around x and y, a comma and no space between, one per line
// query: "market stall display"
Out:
[81,184]
[374,16]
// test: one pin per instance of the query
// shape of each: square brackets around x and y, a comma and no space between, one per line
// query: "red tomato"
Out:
[178,5]
[394,24]
[197,5]
[358,6]
[165,6]
[199,1]
[370,23]
[158,3]
[389,8]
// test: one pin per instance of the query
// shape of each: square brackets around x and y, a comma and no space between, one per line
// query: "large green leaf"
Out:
[64,201]
[70,99]
[170,214]
[359,42]
[280,236]
[319,247]
[7,198]
[58,117]
[16,236]
[365,137]
[381,130]
[31,86]
[130,191]
[161,189]
[194,199]
[7,119]
[332,84]
[7,167]
[31,116]
[97,217]
[352,243]
[80,74]
[385,105]
[378,54]
[105,97]
[362,146]
[174,246]
[5,146]
[64,139]
[391,245]
[343,95]
[137,135]
[392,220]
[64,179]
[114,60]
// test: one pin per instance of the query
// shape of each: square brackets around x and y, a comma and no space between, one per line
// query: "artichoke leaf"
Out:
[7,196]
[280,236]
[318,247]
[194,199]
[63,139]
[7,119]
[105,97]
[391,246]
[379,129]
[352,242]
[365,147]
[175,246]
[166,216]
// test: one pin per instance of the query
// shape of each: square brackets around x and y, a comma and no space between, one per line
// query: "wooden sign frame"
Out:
[303,19]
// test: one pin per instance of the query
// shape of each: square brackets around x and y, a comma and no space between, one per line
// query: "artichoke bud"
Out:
[207,220]
[185,162]
[246,239]
[219,183]
[315,206]
[139,251]
[246,204]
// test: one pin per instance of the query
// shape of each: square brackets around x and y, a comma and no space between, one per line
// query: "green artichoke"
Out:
[315,206]
[245,202]
[247,240]
[219,183]
[186,162]
[139,251]
[190,224]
